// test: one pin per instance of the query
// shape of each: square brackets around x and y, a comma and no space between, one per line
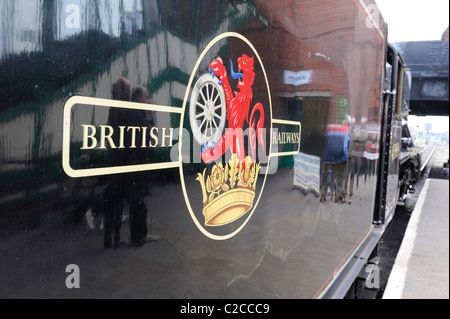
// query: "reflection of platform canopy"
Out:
[428,61]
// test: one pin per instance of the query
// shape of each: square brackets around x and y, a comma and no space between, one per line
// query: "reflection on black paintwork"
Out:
[317,56]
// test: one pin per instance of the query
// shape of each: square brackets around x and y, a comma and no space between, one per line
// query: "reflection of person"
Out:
[371,150]
[129,188]
[336,158]
[121,89]
[139,187]
[356,153]
[141,95]
[115,193]
[324,182]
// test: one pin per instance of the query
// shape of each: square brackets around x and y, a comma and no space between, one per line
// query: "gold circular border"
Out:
[186,198]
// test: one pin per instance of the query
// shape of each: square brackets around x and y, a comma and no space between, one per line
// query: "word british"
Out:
[125,137]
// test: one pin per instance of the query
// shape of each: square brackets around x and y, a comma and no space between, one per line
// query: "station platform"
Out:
[421,269]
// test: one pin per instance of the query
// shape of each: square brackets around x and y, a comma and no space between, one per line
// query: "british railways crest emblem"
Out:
[229,126]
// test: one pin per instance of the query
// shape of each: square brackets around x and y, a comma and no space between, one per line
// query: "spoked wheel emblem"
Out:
[207,110]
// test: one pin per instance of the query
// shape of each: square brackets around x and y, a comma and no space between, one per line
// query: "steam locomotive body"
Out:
[193,149]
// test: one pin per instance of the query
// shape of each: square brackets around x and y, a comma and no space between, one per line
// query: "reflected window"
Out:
[20,27]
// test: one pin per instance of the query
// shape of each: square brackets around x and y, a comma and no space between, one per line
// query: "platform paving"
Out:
[421,269]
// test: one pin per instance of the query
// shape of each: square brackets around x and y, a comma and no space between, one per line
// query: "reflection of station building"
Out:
[330,78]
[324,78]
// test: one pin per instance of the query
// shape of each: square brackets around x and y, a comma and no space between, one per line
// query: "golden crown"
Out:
[229,191]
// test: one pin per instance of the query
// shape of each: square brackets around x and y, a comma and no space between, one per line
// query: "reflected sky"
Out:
[439,124]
